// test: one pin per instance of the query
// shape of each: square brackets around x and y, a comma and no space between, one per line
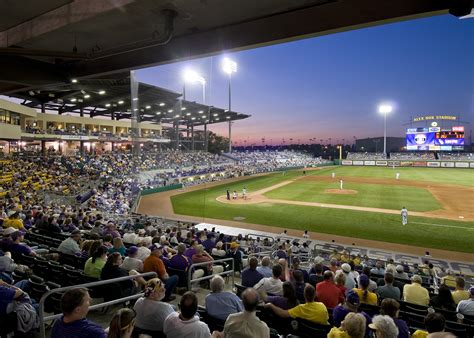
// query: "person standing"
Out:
[397,176]
[341,183]
[228,194]
[333,175]
[244,193]
[404,214]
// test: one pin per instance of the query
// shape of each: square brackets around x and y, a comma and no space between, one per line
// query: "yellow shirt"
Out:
[419,334]
[315,312]
[449,281]
[371,297]
[14,223]
[416,294]
[337,333]
[459,295]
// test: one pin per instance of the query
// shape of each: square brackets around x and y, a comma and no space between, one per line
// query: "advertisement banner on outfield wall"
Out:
[447,164]
[369,162]
[419,164]
[381,163]
[433,164]
[461,165]
[357,162]
[471,164]
[393,163]
[346,162]
[406,164]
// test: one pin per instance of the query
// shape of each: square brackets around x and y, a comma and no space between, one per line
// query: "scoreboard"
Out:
[435,138]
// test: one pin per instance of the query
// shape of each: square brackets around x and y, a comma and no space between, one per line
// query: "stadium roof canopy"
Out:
[111,97]
[52,41]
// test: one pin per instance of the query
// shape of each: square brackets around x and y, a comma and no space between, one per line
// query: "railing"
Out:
[223,273]
[97,306]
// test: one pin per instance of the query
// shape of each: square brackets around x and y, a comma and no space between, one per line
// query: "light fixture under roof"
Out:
[216,119]
[177,116]
[170,110]
[193,118]
[215,114]
[162,104]
[200,112]
[147,107]
[228,117]
[87,96]
[183,108]
[120,102]
[158,113]
[188,114]
[135,99]
[107,104]
[73,99]
[136,109]
[101,92]
[74,80]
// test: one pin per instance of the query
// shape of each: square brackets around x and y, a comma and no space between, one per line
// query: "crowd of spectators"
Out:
[456,156]
[413,156]
[366,156]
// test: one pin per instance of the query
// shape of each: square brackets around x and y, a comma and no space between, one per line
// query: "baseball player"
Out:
[244,193]
[333,175]
[341,183]
[397,176]
[404,214]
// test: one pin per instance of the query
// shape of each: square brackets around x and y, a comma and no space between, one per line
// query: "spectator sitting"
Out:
[340,281]
[13,221]
[70,245]
[131,262]
[18,248]
[391,308]
[96,263]
[372,284]
[414,293]
[151,311]
[384,327]
[312,311]
[365,295]
[460,293]
[466,307]
[287,301]
[333,265]
[191,251]
[379,269]
[443,300]
[296,267]
[271,285]
[219,303]
[218,251]
[154,264]
[236,254]
[122,324]
[350,305]
[434,322]
[202,256]
[107,241]
[186,323]
[118,247]
[400,273]
[209,243]
[328,293]
[353,326]
[73,324]
[265,269]
[112,270]
[246,324]
[250,276]
[388,290]
[299,284]
[316,274]
[350,282]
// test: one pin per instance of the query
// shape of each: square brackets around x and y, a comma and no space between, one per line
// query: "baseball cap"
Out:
[9,231]
[400,268]
[353,298]
[364,280]
[154,247]
[75,232]
[132,250]
[219,244]
[471,290]
[346,267]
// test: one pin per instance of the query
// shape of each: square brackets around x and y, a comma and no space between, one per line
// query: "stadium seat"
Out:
[8,324]
[239,289]
[137,332]
[307,329]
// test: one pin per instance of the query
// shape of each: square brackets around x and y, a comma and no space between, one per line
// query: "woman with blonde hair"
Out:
[122,324]
[353,326]
[118,247]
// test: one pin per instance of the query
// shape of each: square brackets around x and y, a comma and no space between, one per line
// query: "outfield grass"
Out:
[452,235]
[368,195]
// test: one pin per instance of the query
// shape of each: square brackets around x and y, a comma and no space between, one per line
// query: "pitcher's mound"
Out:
[340,192]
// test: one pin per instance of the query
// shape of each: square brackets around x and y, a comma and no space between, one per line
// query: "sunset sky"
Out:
[331,86]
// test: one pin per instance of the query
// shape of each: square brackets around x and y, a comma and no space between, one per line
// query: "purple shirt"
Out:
[20,249]
[279,301]
[179,262]
[208,245]
[77,329]
[190,252]
[6,297]
[250,277]
[403,331]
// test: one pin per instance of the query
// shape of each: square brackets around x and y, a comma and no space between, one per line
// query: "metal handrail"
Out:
[223,273]
[86,285]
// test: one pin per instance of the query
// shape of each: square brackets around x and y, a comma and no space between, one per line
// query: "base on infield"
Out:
[340,192]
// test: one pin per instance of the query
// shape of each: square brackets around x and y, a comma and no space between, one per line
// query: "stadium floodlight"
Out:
[190,76]
[101,92]
[162,104]
[73,80]
[229,67]
[385,109]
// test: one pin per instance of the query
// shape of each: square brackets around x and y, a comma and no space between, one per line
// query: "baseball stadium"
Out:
[136,202]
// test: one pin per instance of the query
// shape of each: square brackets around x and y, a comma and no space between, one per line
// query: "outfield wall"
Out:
[405,163]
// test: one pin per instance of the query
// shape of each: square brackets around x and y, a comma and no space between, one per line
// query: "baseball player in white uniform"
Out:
[244,193]
[397,176]
[333,175]
[341,183]
[404,214]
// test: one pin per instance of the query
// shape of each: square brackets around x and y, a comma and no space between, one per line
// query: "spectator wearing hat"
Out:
[218,251]
[384,327]
[400,273]
[6,241]
[264,269]
[350,282]
[353,326]
[311,310]
[366,296]
[70,245]
[154,263]
[460,293]
[351,304]
[466,307]
[18,248]
[250,276]
[328,293]
[434,322]
[13,221]
[73,323]
[131,262]
[414,293]
[391,308]
[236,254]
[388,290]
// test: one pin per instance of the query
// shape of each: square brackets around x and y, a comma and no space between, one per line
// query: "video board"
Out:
[435,138]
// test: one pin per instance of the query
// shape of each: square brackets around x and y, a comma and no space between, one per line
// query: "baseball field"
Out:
[440,204]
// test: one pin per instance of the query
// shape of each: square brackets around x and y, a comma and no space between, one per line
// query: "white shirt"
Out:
[466,307]
[130,263]
[270,285]
[143,253]
[245,324]
[174,327]
[151,314]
